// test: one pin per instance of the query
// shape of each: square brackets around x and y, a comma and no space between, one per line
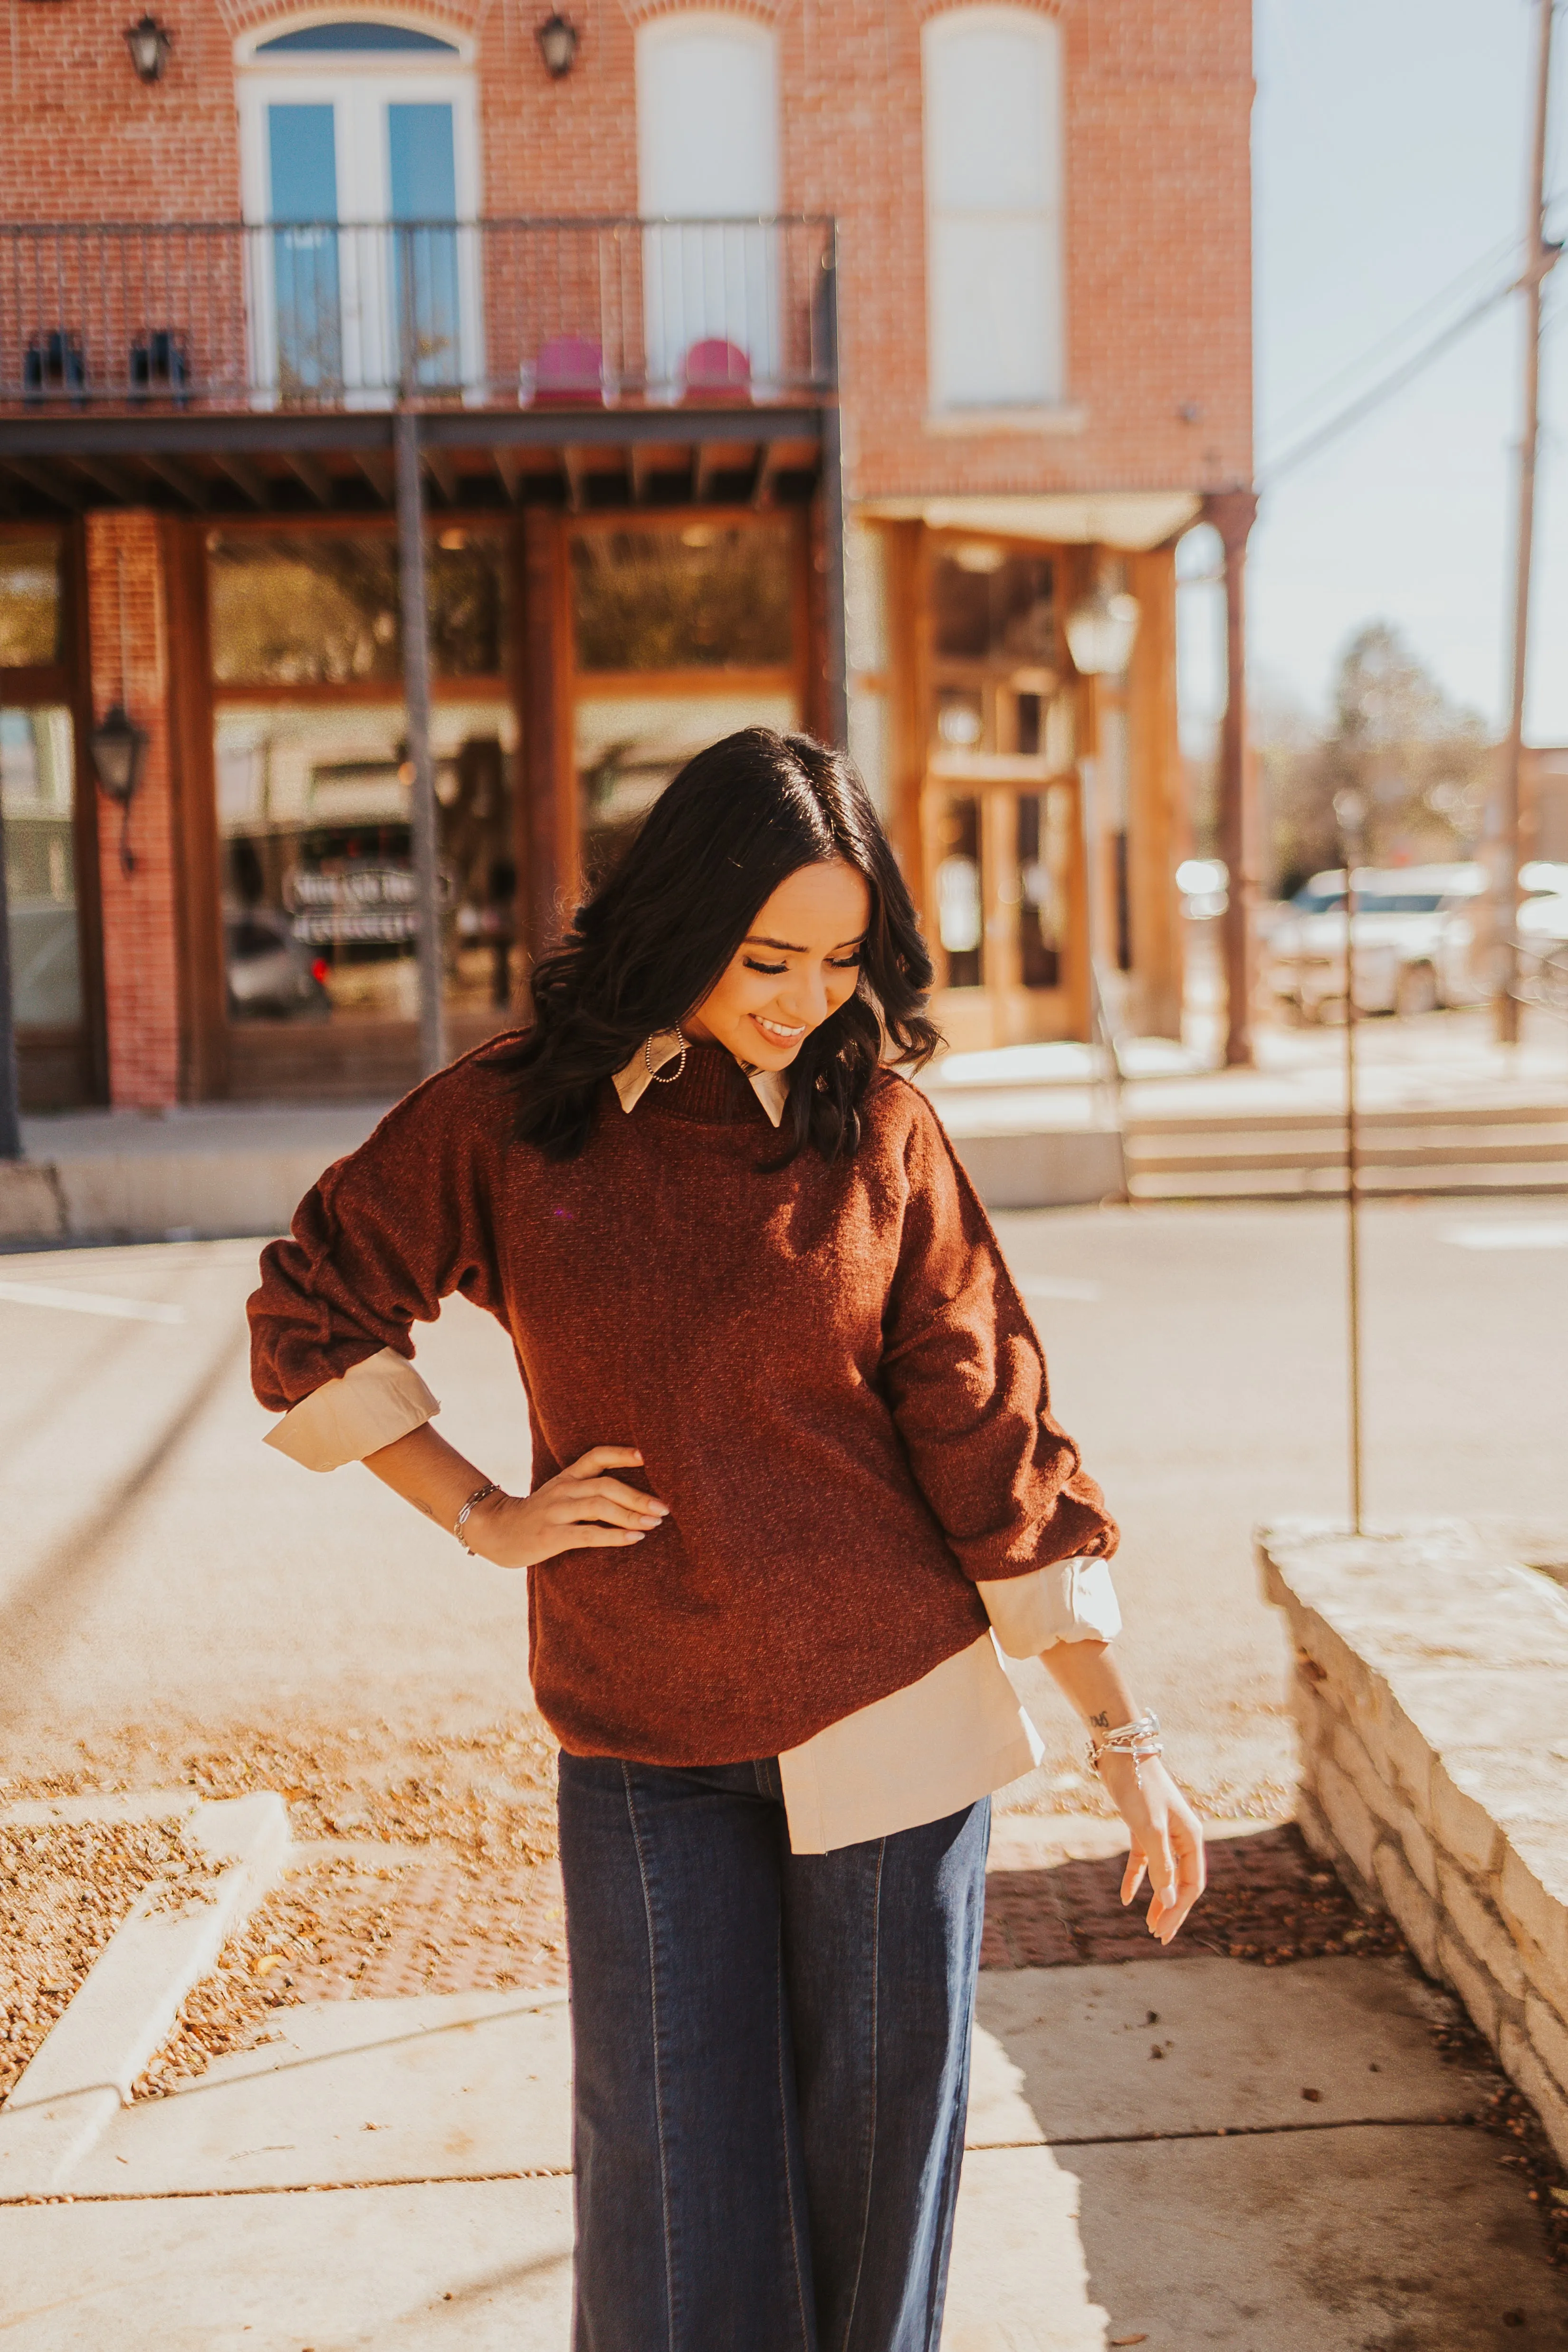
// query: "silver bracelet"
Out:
[479,1496]
[1139,1739]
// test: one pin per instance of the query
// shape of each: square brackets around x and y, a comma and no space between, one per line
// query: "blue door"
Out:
[302,167]
[423,183]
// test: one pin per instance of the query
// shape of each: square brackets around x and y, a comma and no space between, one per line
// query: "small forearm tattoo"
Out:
[1100,1722]
[422,1506]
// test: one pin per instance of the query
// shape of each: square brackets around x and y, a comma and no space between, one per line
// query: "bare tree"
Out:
[1418,759]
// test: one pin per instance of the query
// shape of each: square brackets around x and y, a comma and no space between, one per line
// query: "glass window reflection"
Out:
[317,859]
[38,770]
[700,597]
[320,608]
[31,604]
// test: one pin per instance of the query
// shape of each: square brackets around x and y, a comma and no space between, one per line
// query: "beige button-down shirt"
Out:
[913,1757]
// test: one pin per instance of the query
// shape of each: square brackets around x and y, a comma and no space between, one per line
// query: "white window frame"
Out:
[701,282]
[1046,401]
[358,85]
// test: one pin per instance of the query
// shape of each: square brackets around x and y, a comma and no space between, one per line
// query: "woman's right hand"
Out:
[579,1510]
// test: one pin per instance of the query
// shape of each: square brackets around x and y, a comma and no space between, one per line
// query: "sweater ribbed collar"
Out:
[770,1087]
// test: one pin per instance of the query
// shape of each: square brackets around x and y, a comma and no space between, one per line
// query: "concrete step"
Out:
[1249,1182]
[1431,1147]
[1306,1120]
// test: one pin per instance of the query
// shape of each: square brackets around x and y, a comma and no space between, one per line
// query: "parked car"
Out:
[1414,941]
[271,976]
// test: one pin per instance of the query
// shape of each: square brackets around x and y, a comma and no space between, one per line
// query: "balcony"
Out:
[312,316]
[227,367]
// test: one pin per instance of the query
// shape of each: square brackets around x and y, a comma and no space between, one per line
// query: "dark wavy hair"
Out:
[647,948]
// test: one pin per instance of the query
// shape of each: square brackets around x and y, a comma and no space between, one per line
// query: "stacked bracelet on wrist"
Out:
[1139,1739]
[479,1495]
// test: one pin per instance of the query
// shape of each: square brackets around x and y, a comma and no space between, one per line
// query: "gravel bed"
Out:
[64,1889]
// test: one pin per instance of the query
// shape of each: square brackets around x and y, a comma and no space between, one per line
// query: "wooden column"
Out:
[1156,796]
[907,698]
[549,775]
[1233,513]
[203,1025]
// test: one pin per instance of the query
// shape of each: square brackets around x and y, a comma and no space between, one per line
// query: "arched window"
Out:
[359,157]
[993,208]
[708,151]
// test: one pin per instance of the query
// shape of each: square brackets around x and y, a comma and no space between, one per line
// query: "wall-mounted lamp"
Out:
[119,749]
[149,44]
[557,44]
[1101,628]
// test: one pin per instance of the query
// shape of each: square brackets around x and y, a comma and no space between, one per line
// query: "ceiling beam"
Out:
[508,467]
[109,477]
[442,473]
[378,473]
[39,478]
[310,472]
[247,479]
[180,480]
[762,474]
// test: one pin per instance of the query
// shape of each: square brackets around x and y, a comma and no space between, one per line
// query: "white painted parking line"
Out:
[1060,1286]
[91,1302]
[1509,1237]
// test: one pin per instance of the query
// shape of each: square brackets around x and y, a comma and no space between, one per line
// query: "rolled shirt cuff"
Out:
[373,1404]
[1070,1601]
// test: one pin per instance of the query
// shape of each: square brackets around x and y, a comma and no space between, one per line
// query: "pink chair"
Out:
[716,370]
[568,373]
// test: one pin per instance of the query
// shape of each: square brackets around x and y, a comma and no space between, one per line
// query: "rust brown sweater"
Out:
[828,1372]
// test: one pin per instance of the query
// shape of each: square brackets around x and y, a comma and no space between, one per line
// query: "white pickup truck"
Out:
[1415,934]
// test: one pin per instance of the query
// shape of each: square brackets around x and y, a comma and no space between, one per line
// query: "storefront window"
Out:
[701,597]
[32,626]
[990,606]
[320,608]
[628,747]
[960,905]
[1046,831]
[37,771]
[314,817]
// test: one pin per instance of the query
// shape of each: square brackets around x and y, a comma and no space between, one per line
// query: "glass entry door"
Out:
[1004,890]
[365,283]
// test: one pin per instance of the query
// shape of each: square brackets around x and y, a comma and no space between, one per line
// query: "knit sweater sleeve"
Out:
[964,1374]
[377,1243]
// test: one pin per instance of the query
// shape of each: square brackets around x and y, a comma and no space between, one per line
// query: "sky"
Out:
[1390,152]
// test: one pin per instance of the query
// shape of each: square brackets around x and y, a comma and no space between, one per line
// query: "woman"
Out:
[792,1460]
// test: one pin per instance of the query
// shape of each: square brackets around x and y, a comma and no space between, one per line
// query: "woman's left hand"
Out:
[1167,1843]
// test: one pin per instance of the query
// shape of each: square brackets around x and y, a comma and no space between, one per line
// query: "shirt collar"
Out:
[770,1087]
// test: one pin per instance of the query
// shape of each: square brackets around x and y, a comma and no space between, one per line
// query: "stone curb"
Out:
[127,2006]
[1431,1699]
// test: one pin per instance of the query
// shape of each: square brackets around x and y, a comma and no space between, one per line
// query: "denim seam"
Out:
[658,2063]
[871,2157]
[784,2135]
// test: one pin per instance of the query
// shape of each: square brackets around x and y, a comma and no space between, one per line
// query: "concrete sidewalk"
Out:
[1186,2153]
[1033,1122]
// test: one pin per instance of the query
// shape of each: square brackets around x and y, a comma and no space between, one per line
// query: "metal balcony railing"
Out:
[344,314]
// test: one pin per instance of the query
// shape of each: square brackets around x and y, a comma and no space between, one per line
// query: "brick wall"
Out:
[1158,196]
[126,609]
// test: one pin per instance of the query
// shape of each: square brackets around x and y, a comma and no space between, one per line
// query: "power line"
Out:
[1484,265]
[1386,390]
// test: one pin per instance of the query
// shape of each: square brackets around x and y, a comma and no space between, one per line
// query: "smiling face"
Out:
[798,963]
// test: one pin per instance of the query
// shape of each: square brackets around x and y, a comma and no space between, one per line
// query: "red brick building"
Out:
[845,364]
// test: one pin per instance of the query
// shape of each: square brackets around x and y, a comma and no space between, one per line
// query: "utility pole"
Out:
[1539,258]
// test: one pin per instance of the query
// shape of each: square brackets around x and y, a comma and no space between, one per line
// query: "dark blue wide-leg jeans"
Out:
[772,2065]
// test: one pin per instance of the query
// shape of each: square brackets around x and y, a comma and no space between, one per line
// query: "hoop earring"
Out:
[666,1077]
